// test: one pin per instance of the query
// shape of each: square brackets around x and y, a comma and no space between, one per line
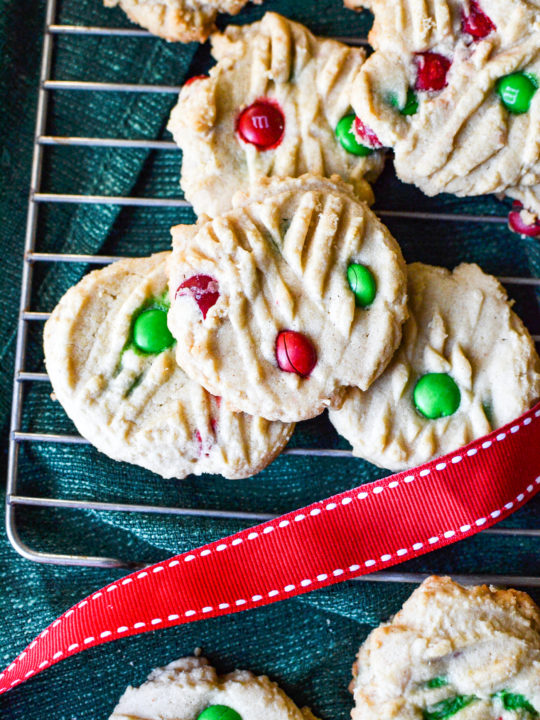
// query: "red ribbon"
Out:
[357,532]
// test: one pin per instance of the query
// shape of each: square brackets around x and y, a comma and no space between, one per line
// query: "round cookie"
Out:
[111,361]
[271,106]
[261,296]
[466,365]
[182,20]
[453,89]
[470,653]
[190,689]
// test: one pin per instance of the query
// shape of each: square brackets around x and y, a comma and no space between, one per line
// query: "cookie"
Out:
[276,104]
[111,361]
[470,653]
[190,689]
[466,365]
[453,89]
[284,300]
[178,20]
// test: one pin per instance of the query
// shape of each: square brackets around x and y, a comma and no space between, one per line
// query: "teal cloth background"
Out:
[308,643]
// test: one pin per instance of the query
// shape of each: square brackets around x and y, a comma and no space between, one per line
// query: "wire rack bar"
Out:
[22,377]
[144,144]
[35,316]
[138,33]
[109,86]
[397,577]
[73,258]
[19,436]
[93,30]
[180,202]
[196,512]
[110,200]
[32,377]
[446,217]
[26,284]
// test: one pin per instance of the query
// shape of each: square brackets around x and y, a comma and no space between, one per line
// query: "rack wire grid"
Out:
[15,500]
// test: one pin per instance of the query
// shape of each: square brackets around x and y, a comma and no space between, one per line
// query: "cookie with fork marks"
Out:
[466,366]
[111,360]
[283,301]
[277,103]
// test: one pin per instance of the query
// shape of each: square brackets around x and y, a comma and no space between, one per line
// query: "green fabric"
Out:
[307,644]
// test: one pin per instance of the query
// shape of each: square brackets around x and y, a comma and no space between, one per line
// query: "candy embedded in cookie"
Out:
[203,289]
[475,22]
[150,332]
[517,91]
[276,104]
[474,69]
[452,651]
[311,298]
[466,365]
[178,20]
[190,689]
[219,712]
[111,359]
[262,124]
[522,221]
[295,353]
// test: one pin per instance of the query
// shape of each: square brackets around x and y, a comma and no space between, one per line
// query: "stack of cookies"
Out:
[288,296]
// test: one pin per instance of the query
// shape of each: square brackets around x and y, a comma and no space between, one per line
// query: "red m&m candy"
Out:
[522,221]
[295,353]
[194,79]
[203,289]
[432,70]
[262,124]
[366,135]
[476,23]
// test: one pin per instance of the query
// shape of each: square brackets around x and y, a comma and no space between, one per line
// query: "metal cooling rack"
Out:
[14,500]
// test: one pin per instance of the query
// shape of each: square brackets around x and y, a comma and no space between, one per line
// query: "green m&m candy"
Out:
[219,712]
[150,331]
[436,395]
[411,103]
[345,135]
[516,91]
[362,283]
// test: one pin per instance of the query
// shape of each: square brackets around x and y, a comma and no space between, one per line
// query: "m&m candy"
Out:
[150,331]
[347,138]
[362,283]
[219,712]
[411,103]
[204,289]
[261,124]
[476,22]
[522,221]
[366,135]
[295,353]
[436,395]
[432,69]
[516,91]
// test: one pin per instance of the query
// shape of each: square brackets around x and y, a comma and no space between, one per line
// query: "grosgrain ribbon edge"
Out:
[356,532]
